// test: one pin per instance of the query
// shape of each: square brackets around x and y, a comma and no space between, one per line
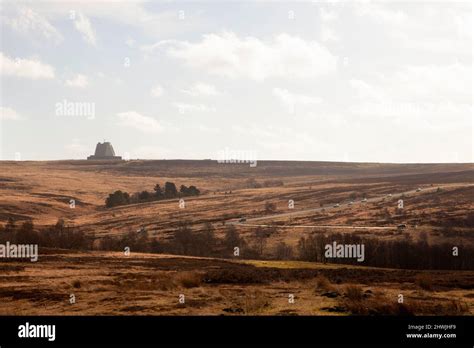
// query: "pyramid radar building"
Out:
[104,151]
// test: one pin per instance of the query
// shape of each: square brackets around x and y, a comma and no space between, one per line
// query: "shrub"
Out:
[255,302]
[424,281]
[117,198]
[354,292]
[323,283]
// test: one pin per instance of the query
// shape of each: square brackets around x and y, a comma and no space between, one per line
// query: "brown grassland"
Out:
[437,214]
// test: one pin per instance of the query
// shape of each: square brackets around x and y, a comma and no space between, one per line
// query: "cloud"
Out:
[365,90]
[76,149]
[206,129]
[328,33]
[28,22]
[228,55]
[381,13]
[79,81]
[291,100]
[202,89]
[137,14]
[157,91]
[83,25]
[145,124]
[184,108]
[26,68]
[130,42]
[327,16]
[8,114]
[425,96]
[419,28]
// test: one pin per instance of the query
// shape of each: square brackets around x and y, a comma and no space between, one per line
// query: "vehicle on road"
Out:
[418,189]
[390,195]
[402,226]
[364,200]
[351,202]
[242,219]
[336,205]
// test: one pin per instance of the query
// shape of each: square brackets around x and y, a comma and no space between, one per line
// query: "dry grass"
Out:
[381,304]
[323,283]
[354,292]
[255,302]
[189,279]
[424,281]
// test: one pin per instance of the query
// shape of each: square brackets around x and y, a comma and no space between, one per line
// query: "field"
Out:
[146,258]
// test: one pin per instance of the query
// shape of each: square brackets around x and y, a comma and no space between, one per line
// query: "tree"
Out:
[183,239]
[26,234]
[283,251]
[170,190]
[158,191]
[209,235]
[10,226]
[232,238]
[183,190]
[144,195]
[261,240]
[193,191]
[117,198]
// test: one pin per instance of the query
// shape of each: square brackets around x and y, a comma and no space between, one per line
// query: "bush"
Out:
[170,191]
[424,281]
[117,198]
[323,283]
[354,292]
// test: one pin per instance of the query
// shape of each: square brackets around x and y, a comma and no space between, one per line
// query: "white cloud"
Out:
[206,129]
[26,68]
[8,114]
[228,55]
[76,149]
[145,124]
[433,82]
[328,34]
[202,89]
[292,100]
[380,13]
[130,42]
[366,91]
[133,13]
[441,28]
[185,108]
[327,16]
[83,25]
[423,96]
[79,81]
[28,22]
[157,91]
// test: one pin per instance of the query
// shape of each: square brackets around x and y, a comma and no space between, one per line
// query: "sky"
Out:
[365,81]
